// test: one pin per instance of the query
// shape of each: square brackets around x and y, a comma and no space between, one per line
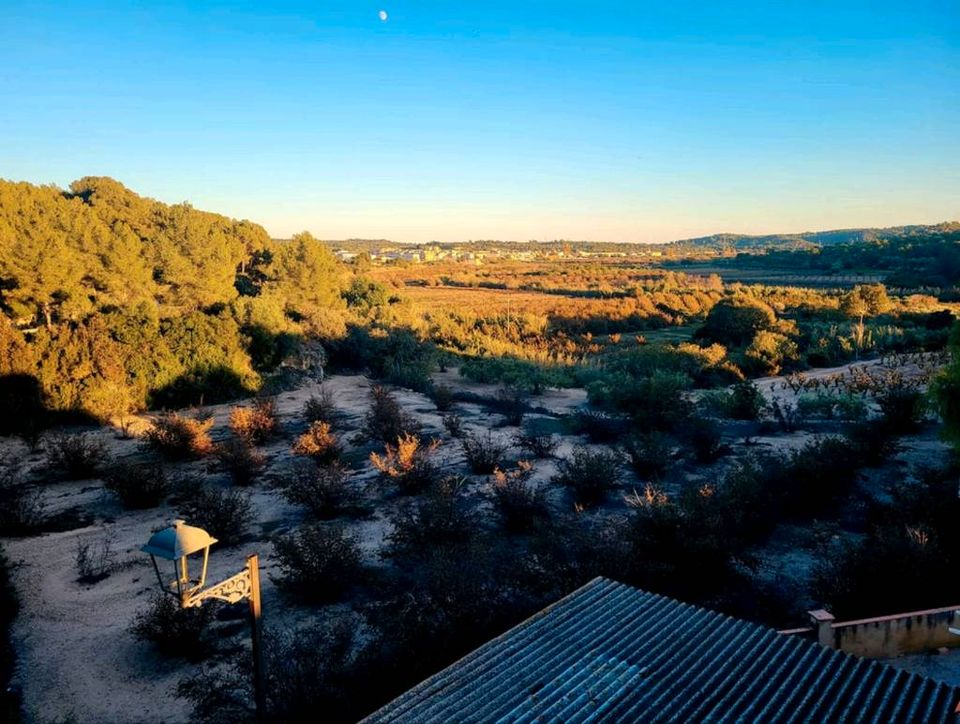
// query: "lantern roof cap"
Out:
[177,541]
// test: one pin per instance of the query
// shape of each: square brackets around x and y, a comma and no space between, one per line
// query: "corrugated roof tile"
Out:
[610,652]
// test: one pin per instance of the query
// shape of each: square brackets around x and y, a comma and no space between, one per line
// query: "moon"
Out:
[383,16]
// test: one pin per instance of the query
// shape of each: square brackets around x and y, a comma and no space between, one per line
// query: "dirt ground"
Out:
[78,660]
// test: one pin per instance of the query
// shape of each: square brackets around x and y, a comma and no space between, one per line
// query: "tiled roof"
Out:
[610,652]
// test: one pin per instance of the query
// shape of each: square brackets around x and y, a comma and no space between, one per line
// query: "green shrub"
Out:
[318,563]
[538,443]
[320,408]
[175,631]
[483,452]
[441,518]
[442,397]
[224,514]
[138,485]
[325,491]
[386,421]
[599,427]
[704,438]
[589,474]
[649,454]
[746,401]
[519,503]
[240,461]
[902,408]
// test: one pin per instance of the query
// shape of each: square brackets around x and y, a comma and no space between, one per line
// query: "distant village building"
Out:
[610,652]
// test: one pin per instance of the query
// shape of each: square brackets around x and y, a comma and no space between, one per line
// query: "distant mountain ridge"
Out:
[818,238]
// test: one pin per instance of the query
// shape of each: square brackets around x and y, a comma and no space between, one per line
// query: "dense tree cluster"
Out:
[113,301]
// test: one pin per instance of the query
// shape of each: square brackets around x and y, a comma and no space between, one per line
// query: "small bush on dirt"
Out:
[175,631]
[746,401]
[818,474]
[512,404]
[94,559]
[538,443]
[257,424]
[599,427]
[241,461]
[318,563]
[589,474]
[325,491]
[902,408]
[454,424]
[320,408]
[409,464]
[224,514]
[318,443]
[442,397]
[180,438]
[138,485]
[78,457]
[704,440]
[873,441]
[317,668]
[386,421]
[483,452]
[518,503]
[21,504]
[441,518]
[649,454]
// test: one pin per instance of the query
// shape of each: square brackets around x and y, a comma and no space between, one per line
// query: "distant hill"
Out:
[809,239]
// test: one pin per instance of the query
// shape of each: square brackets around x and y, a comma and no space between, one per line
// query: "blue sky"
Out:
[625,121]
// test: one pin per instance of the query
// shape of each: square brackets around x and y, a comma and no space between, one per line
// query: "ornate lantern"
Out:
[177,543]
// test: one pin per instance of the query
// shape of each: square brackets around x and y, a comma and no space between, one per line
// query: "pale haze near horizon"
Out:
[452,121]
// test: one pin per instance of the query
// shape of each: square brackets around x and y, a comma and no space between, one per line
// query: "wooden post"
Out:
[259,693]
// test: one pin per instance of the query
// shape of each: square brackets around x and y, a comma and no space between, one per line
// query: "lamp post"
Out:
[177,544]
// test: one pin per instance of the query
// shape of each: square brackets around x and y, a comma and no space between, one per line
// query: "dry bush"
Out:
[224,514]
[589,474]
[454,424]
[78,457]
[518,503]
[320,408]
[175,631]
[241,461]
[649,454]
[138,485]
[386,421]
[325,491]
[177,437]
[318,443]
[94,560]
[538,443]
[483,452]
[256,424]
[318,563]
[409,464]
